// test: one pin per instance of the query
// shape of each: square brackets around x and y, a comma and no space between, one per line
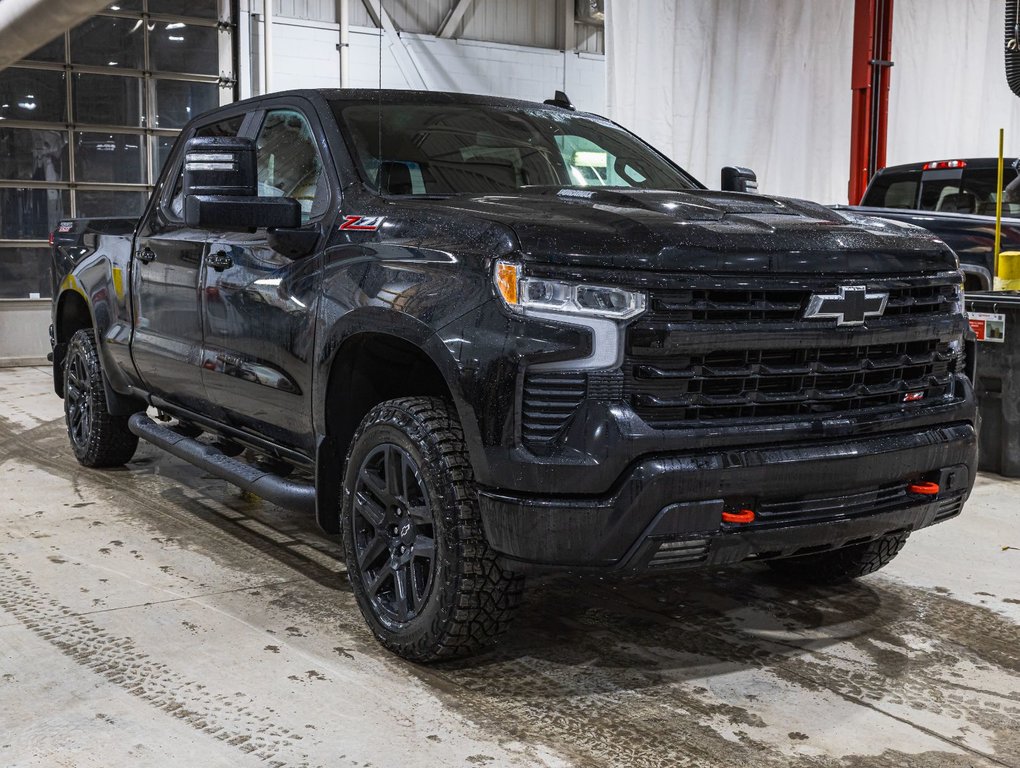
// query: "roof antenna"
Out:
[560,100]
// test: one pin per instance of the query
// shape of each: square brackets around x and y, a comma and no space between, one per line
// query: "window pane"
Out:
[289,163]
[180,47]
[33,94]
[110,157]
[110,100]
[162,147]
[204,9]
[105,41]
[33,154]
[126,205]
[52,51]
[31,214]
[24,271]
[177,101]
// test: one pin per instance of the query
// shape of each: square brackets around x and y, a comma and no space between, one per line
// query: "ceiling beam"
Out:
[452,20]
[405,60]
[25,25]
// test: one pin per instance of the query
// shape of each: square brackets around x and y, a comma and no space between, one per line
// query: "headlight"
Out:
[544,295]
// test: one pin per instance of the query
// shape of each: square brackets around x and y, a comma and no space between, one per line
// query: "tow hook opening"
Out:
[924,489]
[738,516]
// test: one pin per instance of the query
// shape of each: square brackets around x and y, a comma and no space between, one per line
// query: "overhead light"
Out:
[176,25]
[26,105]
[111,63]
[176,38]
[114,7]
[29,96]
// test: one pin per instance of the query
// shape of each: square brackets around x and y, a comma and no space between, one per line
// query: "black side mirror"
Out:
[221,188]
[737,179]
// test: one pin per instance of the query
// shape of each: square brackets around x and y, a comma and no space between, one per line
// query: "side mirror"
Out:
[221,188]
[737,179]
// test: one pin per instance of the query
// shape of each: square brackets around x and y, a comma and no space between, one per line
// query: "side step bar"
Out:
[299,497]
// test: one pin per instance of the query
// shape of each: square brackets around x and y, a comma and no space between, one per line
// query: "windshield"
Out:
[474,149]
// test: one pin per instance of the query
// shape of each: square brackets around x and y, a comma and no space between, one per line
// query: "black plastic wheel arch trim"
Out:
[299,497]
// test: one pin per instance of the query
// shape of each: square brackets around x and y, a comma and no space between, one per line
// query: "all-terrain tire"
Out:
[98,438]
[842,565]
[408,468]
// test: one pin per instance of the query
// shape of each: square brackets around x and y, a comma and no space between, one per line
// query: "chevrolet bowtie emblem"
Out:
[851,306]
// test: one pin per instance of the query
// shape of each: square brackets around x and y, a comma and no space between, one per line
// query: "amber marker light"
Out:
[507,275]
[742,516]
[924,489]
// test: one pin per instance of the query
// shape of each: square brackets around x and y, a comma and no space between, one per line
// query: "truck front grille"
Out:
[729,348]
[787,303]
[786,382]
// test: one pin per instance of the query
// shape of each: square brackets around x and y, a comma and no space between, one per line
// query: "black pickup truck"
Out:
[480,337]
[956,201]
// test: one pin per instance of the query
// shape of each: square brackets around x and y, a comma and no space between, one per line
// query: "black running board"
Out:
[299,497]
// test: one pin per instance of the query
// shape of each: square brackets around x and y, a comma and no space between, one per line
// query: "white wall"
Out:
[764,84]
[767,84]
[305,56]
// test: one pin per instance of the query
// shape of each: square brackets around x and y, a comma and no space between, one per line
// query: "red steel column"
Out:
[869,82]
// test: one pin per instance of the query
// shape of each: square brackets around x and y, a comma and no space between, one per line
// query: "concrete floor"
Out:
[151,616]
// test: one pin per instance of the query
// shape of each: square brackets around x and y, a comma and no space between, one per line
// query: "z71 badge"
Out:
[362,223]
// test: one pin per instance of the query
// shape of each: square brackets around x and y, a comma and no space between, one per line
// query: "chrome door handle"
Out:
[146,255]
[220,261]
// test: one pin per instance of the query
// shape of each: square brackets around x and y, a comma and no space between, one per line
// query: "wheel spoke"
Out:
[394,464]
[381,576]
[371,552]
[401,592]
[420,514]
[370,510]
[418,589]
[424,547]
[377,486]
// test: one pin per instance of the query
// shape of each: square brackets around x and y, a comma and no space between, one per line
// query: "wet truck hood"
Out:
[703,231]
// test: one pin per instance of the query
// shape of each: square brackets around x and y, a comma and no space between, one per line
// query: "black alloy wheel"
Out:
[98,438]
[421,569]
[394,534]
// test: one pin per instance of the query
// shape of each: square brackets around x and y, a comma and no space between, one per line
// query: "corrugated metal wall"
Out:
[515,22]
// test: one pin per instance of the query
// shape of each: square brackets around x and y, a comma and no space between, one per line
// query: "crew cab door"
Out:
[260,305]
[166,277]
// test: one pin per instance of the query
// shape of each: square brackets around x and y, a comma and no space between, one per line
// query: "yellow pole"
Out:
[998,205]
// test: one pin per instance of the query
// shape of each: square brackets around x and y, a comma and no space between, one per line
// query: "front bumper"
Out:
[666,510]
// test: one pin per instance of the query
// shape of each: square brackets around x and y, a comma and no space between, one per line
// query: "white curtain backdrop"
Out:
[766,84]
[949,96]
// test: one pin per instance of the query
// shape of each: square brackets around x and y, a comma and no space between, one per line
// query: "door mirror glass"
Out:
[737,179]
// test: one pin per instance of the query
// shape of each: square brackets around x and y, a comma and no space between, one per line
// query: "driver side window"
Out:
[289,163]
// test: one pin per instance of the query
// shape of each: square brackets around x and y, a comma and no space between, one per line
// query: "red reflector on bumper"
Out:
[924,489]
[743,516]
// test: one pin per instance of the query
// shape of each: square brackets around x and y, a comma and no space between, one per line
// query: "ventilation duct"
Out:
[1013,45]
[29,24]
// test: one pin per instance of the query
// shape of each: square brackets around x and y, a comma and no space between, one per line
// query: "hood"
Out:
[702,231]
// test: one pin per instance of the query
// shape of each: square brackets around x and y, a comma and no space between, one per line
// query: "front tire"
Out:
[839,566]
[422,572]
[98,438]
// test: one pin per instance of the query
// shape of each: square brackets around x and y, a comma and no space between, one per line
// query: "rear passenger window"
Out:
[228,127]
[892,191]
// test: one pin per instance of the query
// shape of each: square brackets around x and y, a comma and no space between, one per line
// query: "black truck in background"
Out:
[480,337]
[956,201]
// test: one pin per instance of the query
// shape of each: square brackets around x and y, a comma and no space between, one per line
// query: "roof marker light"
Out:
[943,165]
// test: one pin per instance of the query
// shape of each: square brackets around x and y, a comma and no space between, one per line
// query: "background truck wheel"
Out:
[841,565]
[423,575]
[97,438]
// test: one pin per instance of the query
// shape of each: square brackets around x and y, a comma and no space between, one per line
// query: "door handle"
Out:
[146,255]
[220,261]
